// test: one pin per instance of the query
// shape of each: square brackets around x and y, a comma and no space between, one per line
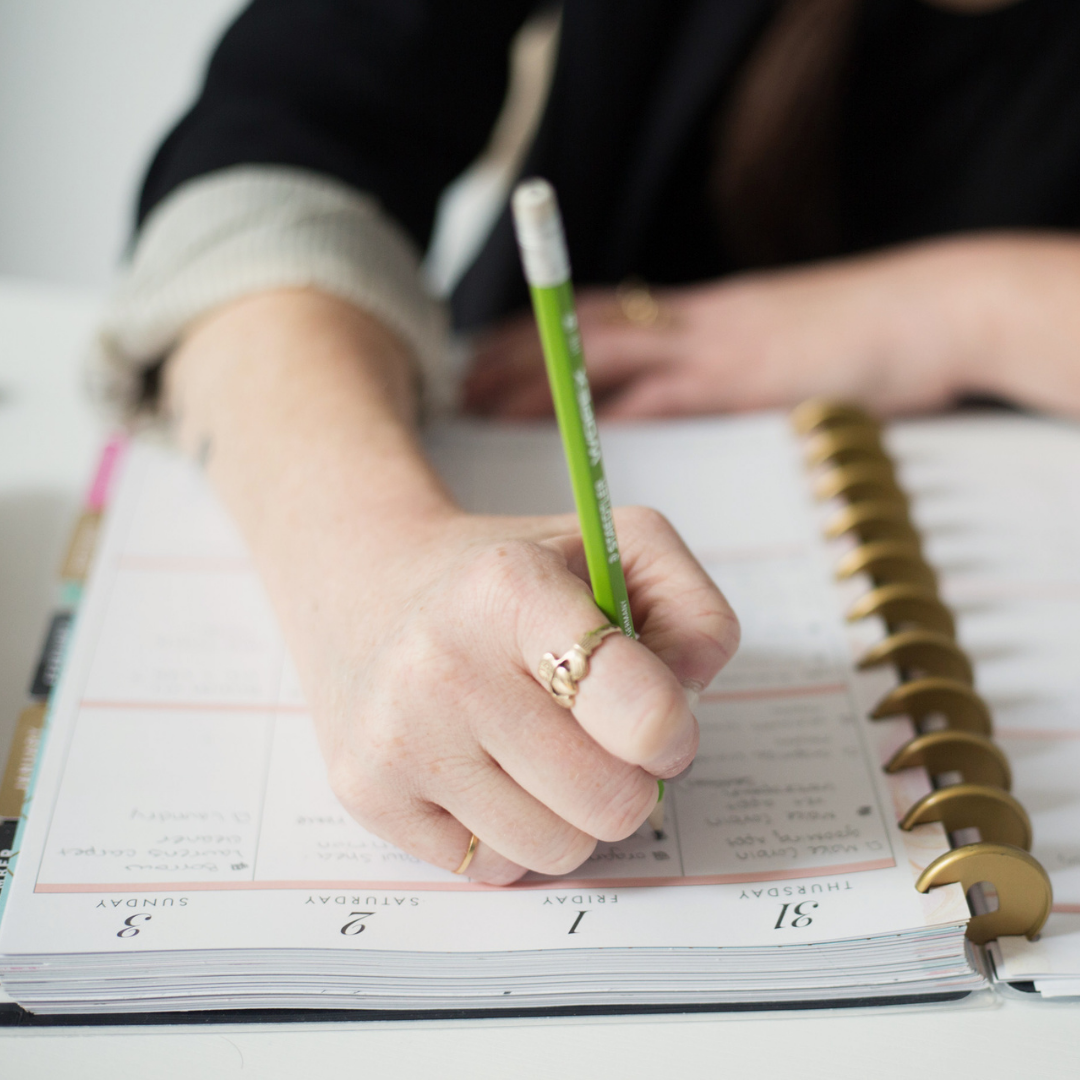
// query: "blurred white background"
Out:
[87,88]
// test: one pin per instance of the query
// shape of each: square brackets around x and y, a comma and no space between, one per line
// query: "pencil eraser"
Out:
[540,236]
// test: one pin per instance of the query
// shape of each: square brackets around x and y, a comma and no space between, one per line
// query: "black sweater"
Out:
[949,122]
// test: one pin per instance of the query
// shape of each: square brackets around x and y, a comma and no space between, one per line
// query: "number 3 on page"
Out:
[130,930]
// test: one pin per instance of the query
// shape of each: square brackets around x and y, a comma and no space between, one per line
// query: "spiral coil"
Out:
[990,831]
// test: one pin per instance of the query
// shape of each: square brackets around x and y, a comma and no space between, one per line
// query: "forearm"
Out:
[990,314]
[301,408]
[923,325]
[1024,320]
[994,314]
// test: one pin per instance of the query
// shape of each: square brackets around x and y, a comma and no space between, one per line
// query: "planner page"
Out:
[997,498]
[182,803]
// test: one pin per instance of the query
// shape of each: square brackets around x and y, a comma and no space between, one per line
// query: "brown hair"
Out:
[775,172]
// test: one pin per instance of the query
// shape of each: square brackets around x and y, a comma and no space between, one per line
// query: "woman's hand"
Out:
[418,629]
[432,717]
[903,330]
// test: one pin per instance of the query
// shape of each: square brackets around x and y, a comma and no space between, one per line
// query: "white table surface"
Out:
[49,438]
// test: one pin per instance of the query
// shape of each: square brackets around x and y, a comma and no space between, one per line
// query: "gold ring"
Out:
[560,675]
[638,305]
[470,851]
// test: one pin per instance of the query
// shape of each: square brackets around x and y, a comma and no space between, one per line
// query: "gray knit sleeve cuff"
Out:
[256,227]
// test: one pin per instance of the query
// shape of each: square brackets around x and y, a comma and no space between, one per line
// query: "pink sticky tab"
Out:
[106,470]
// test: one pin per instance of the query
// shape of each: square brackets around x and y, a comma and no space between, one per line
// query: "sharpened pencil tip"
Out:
[656,819]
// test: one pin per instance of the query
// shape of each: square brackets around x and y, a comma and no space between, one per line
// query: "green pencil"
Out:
[547,270]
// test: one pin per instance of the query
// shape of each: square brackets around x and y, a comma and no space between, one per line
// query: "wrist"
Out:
[301,409]
[994,310]
[285,394]
[1029,326]
[970,295]
[928,310]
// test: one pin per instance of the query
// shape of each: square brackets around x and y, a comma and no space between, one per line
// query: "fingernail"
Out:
[683,775]
[672,767]
[674,761]
[692,690]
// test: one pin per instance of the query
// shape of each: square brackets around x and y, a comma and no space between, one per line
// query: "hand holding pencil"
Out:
[547,269]
[419,629]
[442,730]
[508,776]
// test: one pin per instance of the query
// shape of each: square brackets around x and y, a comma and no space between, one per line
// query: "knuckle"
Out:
[657,711]
[505,560]
[441,673]
[622,806]
[565,850]
[719,632]
[359,794]
[429,660]
[381,743]
[465,776]
[645,520]
[705,637]
[346,790]
[501,574]
[503,873]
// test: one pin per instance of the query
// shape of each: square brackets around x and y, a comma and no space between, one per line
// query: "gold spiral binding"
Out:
[999,818]
[903,605]
[874,519]
[887,562]
[932,695]
[844,446]
[975,758]
[1022,886]
[926,652]
[862,480]
[819,414]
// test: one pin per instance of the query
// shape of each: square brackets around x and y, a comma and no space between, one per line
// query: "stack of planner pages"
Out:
[182,850]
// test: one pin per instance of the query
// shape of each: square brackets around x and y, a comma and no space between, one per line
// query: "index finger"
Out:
[632,702]
[679,612]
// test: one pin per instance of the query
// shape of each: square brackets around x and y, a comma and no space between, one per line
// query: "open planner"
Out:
[846,834]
